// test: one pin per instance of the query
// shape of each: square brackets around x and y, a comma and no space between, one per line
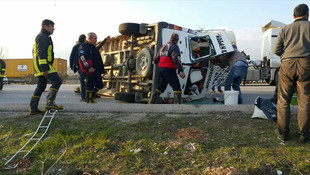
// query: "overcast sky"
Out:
[20,21]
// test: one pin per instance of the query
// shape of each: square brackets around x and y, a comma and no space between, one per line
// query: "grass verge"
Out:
[128,143]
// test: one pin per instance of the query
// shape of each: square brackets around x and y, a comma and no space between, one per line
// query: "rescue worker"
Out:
[43,58]
[74,65]
[168,58]
[237,62]
[91,64]
[2,71]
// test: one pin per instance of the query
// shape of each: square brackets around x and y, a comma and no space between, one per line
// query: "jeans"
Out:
[234,78]
[82,77]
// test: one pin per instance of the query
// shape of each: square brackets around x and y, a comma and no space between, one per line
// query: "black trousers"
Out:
[168,76]
[94,81]
[42,82]
[1,83]
[82,77]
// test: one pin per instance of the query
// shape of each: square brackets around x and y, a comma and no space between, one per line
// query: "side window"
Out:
[200,48]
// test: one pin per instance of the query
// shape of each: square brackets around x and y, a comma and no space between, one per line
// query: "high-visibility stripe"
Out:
[158,90]
[49,53]
[3,69]
[53,89]
[34,56]
[42,60]
[177,92]
[41,73]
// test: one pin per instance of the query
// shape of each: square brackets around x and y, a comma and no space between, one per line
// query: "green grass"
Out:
[124,143]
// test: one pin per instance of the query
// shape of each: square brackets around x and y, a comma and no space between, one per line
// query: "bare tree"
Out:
[3,53]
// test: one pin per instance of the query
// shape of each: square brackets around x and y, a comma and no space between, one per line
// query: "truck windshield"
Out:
[201,48]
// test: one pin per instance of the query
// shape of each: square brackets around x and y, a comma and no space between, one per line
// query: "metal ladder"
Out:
[49,114]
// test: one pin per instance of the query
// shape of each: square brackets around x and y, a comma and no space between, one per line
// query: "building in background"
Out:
[21,70]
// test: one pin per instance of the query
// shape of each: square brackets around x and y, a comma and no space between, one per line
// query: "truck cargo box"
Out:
[19,68]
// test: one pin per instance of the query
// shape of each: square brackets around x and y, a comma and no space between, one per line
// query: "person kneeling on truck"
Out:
[168,59]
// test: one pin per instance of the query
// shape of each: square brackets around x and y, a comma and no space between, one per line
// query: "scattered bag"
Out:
[264,109]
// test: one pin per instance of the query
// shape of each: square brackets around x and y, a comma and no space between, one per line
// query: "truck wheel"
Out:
[125,96]
[270,82]
[276,77]
[144,66]
[129,29]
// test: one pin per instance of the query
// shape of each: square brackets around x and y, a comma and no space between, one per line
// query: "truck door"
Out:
[209,45]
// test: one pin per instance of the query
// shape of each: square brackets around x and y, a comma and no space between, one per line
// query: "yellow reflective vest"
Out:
[43,54]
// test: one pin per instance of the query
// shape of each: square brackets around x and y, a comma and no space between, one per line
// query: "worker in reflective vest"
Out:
[2,71]
[43,58]
[168,59]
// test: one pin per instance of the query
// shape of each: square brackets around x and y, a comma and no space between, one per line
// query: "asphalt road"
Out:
[21,94]
[15,97]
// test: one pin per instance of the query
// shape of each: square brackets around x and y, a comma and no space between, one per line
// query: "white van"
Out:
[131,76]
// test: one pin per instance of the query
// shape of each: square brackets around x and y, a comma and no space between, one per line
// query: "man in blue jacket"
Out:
[74,65]
[91,64]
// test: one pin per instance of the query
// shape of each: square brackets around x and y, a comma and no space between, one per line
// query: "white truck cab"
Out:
[131,76]
[270,61]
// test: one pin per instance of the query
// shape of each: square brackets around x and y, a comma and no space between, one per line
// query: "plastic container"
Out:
[294,99]
[231,97]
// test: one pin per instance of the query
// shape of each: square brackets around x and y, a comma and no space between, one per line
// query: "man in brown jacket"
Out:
[293,46]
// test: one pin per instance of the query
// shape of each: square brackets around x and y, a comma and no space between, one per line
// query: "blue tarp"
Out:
[268,108]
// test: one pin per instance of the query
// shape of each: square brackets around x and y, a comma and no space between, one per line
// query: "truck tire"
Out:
[125,96]
[129,29]
[270,82]
[144,66]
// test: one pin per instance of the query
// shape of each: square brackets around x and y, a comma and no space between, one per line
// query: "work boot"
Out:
[177,97]
[89,96]
[50,100]
[155,97]
[94,95]
[34,102]
[282,135]
[304,138]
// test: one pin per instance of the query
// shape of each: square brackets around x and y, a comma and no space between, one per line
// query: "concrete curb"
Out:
[143,108]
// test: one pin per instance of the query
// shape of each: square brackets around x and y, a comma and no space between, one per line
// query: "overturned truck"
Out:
[130,75]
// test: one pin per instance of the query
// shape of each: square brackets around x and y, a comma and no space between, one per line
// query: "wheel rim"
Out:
[143,62]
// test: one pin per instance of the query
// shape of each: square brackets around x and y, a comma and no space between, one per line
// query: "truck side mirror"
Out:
[143,28]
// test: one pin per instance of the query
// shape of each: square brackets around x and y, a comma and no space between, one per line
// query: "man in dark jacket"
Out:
[43,58]
[91,64]
[2,71]
[74,64]
[293,46]
[168,58]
